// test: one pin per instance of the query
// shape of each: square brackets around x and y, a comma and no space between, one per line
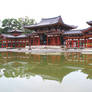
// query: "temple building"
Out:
[79,38]
[14,38]
[49,32]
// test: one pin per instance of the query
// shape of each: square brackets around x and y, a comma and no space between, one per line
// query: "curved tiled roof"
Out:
[12,36]
[49,22]
[89,23]
[10,31]
[78,31]
[73,32]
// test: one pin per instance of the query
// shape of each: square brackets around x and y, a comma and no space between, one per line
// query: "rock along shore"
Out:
[46,50]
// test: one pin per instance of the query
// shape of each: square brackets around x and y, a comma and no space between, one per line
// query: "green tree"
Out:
[1,30]
[14,24]
[11,24]
[26,21]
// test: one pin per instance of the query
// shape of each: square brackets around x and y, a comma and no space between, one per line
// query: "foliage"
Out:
[26,22]
[11,24]
[15,24]
[1,30]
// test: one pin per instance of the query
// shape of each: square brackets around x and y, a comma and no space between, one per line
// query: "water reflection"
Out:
[51,67]
[68,72]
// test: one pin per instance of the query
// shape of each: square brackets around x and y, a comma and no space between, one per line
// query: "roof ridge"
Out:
[51,18]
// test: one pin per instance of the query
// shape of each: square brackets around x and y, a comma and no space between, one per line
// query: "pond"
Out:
[67,72]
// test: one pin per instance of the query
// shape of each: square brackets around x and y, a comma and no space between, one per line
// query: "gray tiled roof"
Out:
[11,36]
[10,31]
[48,22]
[73,32]
[81,31]
[89,23]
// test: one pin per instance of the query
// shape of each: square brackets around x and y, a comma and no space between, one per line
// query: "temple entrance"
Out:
[61,40]
[43,39]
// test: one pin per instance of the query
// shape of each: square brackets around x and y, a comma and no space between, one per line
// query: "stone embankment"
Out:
[46,49]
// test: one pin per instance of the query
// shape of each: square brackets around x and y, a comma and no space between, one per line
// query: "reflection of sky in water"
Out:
[69,72]
[73,82]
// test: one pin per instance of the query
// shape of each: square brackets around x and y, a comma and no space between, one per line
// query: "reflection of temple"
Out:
[78,58]
[81,61]
[53,67]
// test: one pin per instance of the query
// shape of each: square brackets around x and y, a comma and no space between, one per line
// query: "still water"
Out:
[67,72]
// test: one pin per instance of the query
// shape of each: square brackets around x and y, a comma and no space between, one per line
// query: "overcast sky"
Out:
[73,12]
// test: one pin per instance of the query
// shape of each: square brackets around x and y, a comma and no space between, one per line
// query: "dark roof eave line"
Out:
[40,26]
[55,24]
[72,34]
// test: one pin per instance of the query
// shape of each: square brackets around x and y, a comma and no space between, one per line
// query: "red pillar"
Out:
[25,42]
[2,43]
[11,43]
[33,40]
[6,43]
[87,43]
[30,42]
[53,41]
[38,41]
[66,43]
[15,44]
[78,43]
[18,43]
[82,43]
[21,43]
[72,43]
[58,40]
[49,41]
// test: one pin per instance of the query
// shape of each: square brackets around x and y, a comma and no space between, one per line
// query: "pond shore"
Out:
[46,50]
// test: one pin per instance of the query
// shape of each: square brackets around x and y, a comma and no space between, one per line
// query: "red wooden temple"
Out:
[14,38]
[50,32]
[79,38]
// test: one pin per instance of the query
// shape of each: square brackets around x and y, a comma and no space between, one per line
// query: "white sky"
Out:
[73,12]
